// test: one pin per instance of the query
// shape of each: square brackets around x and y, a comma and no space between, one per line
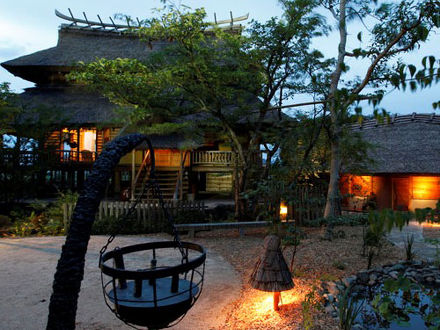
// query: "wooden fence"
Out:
[148,214]
[308,203]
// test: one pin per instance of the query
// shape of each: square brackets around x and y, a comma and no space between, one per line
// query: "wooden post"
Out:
[276,301]
[181,177]
[65,218]
[133,172]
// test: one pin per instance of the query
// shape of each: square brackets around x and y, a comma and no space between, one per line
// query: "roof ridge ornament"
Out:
[227,24]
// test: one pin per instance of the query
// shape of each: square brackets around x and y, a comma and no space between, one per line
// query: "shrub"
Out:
[343,220]
[5,221]
[43,219]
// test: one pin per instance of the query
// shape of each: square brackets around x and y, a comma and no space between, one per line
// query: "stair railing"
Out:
[143,165]
[179,177]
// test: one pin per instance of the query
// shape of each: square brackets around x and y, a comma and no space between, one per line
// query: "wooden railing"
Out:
[149,215]
[29,158]
[213,158]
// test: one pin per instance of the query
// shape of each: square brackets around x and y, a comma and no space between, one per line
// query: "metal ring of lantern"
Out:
[154,297]
[159,296]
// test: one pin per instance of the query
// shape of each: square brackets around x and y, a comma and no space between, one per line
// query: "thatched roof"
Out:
[73,105]
[76,45]
[271,272]
[403,144]
[78,105]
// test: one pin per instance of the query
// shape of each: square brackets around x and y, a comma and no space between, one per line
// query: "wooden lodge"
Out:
[405,174]
[87,120]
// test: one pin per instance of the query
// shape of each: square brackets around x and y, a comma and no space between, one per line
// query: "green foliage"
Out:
[4,220]
[428,214]
[379,224]
[43,219]
[209,80]
[400,298]
[348,308]
[409,242]
[343,220]
[310,305]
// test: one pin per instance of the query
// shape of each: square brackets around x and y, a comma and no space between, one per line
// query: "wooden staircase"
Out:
[167,182]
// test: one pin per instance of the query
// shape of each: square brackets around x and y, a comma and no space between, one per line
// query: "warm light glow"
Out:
[361,185]
[266,305]
[431,224]
[425,187]
[283,209]
[263,301]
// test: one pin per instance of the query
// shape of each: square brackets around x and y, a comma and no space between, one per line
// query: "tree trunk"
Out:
[333,203]
[70,268]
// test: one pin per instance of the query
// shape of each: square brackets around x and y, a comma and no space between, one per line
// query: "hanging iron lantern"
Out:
[157,296]
[143,286]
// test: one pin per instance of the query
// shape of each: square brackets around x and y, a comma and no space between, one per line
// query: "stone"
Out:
[429,279]
[397,267]
[349,280]
[362,277]
[329,309]
[332,288]
[394,275]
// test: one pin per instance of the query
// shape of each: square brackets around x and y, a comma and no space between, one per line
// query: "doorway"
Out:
[401,195]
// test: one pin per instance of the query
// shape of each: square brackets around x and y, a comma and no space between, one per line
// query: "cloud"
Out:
[10,50]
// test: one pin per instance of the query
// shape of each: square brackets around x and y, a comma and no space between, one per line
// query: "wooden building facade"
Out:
[405,173]
[86,120]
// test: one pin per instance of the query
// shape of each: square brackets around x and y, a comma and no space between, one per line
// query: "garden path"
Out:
[423,249]
[27,266]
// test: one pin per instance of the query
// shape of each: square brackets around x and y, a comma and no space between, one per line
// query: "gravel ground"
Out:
[227,301]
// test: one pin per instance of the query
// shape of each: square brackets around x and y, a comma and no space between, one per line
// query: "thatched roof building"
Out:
[403,144]
[76,45]
[405,174]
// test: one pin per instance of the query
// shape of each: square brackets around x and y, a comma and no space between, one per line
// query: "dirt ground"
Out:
[227,300]
[316,260]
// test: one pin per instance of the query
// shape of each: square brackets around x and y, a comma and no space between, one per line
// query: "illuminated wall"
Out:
[357,185]
[425,187]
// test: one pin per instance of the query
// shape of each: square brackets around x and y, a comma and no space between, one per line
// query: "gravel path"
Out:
[27,266]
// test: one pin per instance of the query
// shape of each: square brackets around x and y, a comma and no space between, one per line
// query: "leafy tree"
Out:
[397,28]
[229,79]
[24,131]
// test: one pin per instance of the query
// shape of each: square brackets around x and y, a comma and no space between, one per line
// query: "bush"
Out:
[343,220]
[5,221]
[41,218]
[133,226]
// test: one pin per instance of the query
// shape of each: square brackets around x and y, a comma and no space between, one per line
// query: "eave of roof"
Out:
[406,144]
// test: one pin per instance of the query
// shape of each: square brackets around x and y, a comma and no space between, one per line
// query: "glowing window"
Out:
[426,187]
[88,140]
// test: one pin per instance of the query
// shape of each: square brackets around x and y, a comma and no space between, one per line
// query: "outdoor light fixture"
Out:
[283,211]
[271,273]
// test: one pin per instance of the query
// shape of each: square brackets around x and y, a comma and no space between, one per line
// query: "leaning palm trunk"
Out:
[70,268]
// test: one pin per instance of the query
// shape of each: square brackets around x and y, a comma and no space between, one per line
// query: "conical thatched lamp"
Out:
[271,273]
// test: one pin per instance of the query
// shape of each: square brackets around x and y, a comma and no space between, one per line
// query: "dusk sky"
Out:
[27,26]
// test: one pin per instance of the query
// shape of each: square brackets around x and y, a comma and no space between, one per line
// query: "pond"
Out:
[400,304]
[405,295]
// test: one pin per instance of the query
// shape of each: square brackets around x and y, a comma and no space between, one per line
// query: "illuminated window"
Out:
[360,185]
[88,140]
[425,187]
